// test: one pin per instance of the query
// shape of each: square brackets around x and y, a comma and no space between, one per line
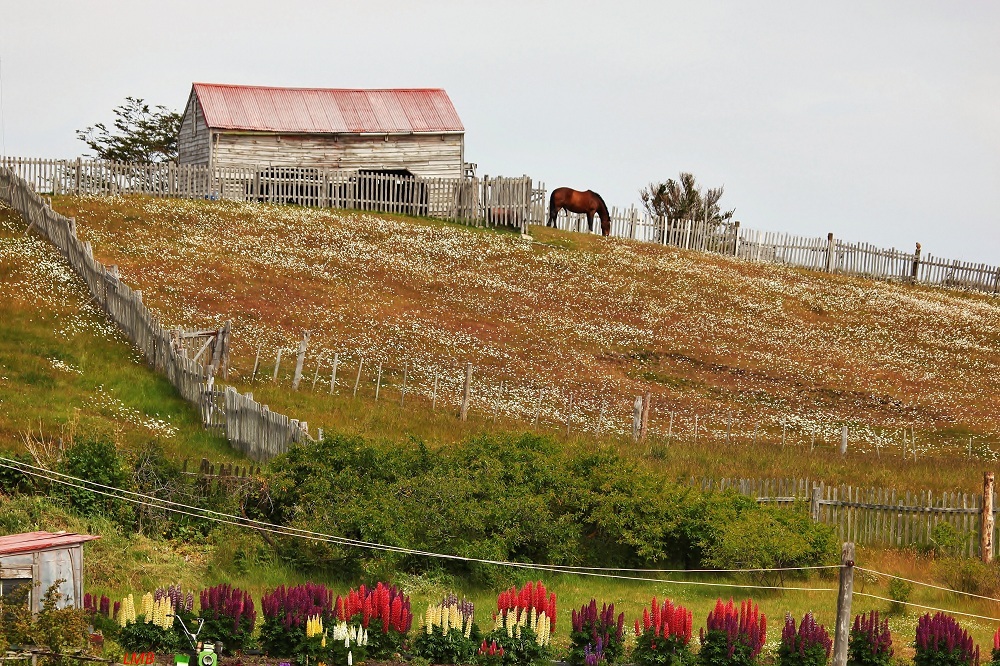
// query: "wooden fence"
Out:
[873,516]
[822,254]
[194,379]
[492,201]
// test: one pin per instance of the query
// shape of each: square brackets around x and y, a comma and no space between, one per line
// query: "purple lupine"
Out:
[105,605]
[592,656]
[874,632]
[809,635]
[293,605]
[231,603]
[942,633]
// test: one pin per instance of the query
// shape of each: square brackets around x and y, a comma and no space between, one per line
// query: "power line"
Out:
[940,610]
[931,585]
[239,521]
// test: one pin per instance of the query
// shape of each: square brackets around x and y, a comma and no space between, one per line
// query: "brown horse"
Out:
[579,202]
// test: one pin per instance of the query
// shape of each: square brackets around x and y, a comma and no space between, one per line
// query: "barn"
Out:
[395,131]
[41,559]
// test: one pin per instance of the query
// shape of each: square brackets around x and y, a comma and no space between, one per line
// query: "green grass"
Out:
[65,372]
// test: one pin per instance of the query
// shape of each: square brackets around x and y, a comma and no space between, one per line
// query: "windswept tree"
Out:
[683,199]
[140,133]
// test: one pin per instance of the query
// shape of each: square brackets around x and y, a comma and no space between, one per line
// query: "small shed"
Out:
[40,559]
[414,130]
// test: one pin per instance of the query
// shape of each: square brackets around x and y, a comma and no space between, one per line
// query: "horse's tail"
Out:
[552,199]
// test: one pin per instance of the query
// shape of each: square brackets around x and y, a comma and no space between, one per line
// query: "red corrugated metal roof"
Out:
[30,541]
[325,110]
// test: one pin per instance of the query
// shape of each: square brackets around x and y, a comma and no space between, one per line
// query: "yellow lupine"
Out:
[147,607]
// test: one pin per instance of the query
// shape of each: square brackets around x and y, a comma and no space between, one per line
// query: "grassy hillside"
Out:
[771,348]
[66,372]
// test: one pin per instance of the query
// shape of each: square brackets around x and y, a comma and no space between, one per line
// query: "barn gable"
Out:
[417,130]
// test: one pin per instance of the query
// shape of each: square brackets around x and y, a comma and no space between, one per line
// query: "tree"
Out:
[140,134]
[683,199]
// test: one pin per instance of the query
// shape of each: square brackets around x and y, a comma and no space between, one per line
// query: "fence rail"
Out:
[874,516]
[821,254]
[490,201]
[194,379]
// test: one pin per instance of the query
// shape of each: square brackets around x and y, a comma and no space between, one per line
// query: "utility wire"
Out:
[239,521]
[940,610]
[936,587]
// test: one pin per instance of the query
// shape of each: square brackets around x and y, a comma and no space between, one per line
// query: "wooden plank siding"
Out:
[424,155]
[193,141]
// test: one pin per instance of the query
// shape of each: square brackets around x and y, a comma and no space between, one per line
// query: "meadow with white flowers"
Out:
[760,348]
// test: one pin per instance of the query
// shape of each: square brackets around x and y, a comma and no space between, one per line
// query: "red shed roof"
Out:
[30,541]
[326,110]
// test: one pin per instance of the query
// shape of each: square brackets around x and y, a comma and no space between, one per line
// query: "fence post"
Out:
[736,238]
[843,440]
[844,605]
[831,250]
[79,168]
[916,263]
[637,418]
[298,361]
[647,399]
[466,392]
[817,494]
[986,522]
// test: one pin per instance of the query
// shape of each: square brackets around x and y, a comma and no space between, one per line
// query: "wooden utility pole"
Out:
[844,598]
[466,392]
[986,522]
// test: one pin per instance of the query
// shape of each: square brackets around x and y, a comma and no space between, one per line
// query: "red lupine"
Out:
[383,602]
[531,596]
[747,625]
[666,621]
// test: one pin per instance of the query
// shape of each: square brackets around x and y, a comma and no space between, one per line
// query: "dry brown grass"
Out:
[605,319]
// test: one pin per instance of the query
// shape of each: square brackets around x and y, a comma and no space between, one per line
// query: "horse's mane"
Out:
[604,206]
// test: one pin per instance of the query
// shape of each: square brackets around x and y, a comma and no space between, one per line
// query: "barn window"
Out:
[8,585]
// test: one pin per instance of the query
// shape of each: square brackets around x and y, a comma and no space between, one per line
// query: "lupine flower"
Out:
[942,633]
[226,601]
[870,637]
[809,635]
[666,621]
[746,626]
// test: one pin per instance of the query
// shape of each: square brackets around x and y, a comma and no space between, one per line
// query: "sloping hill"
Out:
[65,370]
[604,319]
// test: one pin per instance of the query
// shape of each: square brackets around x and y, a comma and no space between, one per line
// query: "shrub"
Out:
[969,575]
[229,616]
[97,461]
[664,637]
[809,646]
[870,643]
[383,609]
[448,634]
[769,538]
[733,637]
[941,641]
[899,591]
[598,634]
[523,625]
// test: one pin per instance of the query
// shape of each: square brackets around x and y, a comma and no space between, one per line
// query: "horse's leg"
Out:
[590,222]
[553,213]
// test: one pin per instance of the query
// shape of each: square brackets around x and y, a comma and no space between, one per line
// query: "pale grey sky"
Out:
[877,121]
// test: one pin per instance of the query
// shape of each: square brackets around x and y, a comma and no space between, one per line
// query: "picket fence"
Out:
[828,254]
[872,516]
[250,426]
[488,201]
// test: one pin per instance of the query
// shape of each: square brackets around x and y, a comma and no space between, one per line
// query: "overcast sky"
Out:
[877,121]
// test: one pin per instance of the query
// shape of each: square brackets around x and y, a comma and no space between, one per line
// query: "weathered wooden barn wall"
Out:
[427,155]
[194,137]
[44,568]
